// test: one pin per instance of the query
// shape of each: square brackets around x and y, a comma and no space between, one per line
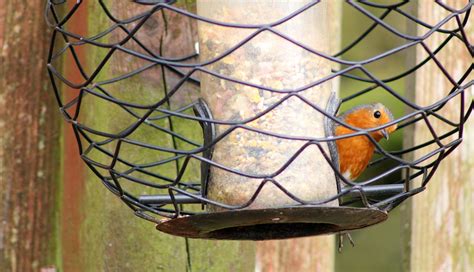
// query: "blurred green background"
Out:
[377,248]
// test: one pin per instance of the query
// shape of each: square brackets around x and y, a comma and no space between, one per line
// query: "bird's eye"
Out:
[377,114]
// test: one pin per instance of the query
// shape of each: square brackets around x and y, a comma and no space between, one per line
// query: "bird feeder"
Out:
[231,135]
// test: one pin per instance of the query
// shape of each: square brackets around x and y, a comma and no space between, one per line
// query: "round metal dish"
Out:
[277,223]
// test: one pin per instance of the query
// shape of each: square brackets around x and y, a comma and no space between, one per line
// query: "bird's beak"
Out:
[385,133]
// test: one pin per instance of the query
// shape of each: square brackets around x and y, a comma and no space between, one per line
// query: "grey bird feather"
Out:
[329,127]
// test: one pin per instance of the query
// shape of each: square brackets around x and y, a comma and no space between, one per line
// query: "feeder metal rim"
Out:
[370,191]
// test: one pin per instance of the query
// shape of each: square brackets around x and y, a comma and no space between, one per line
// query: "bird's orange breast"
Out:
[354,153]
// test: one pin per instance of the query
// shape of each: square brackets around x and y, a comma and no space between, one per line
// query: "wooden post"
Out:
[105,234]
[29,141]
[442,216]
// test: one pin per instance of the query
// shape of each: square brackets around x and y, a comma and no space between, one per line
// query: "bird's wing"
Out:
[330,127]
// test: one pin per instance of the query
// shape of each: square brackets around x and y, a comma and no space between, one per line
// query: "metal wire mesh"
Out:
[152,192]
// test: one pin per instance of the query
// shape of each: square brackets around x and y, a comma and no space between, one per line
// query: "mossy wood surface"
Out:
[108,237]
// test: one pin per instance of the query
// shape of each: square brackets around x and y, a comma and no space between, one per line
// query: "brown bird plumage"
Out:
[356,152]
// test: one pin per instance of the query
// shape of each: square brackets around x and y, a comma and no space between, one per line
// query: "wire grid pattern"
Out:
[177,188]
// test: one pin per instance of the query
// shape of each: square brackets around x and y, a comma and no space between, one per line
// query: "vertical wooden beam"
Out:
[70,209]
[29,140]
[101,229]
[409,140]
[302,254]
[442,216]
[106,235]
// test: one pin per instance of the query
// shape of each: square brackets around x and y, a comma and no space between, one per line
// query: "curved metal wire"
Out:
[172,194]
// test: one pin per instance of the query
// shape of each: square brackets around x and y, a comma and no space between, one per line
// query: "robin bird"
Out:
[356,152]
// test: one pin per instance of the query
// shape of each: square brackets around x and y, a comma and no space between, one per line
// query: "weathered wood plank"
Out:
[442,216]
[29,140]
[107,235]
[302,254]
[72,181]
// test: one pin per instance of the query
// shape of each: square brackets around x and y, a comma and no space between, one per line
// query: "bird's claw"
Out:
[341,240]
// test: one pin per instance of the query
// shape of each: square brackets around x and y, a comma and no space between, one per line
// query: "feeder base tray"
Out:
[272,223]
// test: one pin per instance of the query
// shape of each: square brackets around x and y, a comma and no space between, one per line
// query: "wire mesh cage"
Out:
[234,135]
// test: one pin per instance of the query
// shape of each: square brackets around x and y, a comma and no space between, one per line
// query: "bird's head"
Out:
[370,116]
